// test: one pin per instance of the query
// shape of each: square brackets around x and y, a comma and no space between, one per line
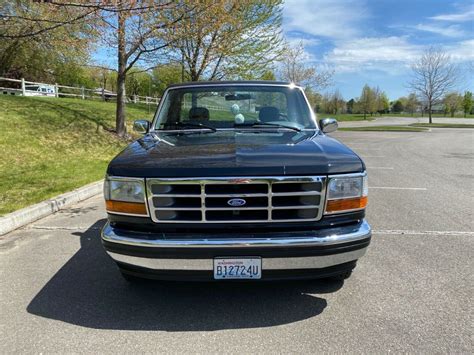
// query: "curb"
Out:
[40,210]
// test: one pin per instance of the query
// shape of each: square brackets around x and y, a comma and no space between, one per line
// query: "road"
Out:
[412,292]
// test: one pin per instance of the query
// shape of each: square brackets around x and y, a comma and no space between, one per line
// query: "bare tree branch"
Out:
[433,75]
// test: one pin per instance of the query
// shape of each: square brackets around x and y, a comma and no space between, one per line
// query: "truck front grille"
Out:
[227,200]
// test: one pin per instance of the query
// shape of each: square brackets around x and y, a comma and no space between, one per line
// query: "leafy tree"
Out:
[397,106]
[368,101]
[350,106]
[452,103]
[467,103]
[314,99]
[226,39]
[268,75]
[139,83]
[133,28]
[383,103]
[166,74]
[35,44]
[411,103]
[334,103]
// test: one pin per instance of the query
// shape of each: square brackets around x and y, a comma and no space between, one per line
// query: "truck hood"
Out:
[234,153]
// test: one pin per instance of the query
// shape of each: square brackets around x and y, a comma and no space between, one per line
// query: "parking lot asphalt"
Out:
[402,120]
[412,292]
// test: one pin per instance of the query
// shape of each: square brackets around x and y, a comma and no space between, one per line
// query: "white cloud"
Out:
[463,16]
[306,42]
[447,31]
[392,55]
[389,54]
[462,51]
[327,18]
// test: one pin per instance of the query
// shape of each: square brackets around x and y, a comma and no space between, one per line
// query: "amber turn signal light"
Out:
[346,204]
[125,207]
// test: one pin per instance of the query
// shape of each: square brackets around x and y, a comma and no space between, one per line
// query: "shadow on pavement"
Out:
[89,291]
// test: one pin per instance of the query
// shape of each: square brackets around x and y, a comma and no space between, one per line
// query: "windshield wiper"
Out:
[263,124]
[189,124]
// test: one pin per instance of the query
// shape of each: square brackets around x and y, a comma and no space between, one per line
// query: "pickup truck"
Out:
[236,180]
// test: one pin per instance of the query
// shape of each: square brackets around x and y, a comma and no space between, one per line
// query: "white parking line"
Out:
[398,188]
[380,167]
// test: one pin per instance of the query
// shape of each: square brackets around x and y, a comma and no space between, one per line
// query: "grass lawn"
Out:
[443,125]
[386,128]
[49,146]
[434,115]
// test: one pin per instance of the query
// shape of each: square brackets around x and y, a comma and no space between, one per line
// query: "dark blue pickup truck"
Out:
[236,181]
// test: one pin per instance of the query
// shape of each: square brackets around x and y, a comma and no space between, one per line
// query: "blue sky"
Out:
[374,42]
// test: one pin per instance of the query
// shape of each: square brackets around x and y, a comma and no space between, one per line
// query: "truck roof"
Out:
[230,82]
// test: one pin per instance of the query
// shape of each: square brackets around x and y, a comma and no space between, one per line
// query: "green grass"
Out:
[418,115]
[443,125]
[49,146]
[386,128]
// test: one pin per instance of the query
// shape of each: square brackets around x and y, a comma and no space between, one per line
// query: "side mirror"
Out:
[328,125]
[141,126]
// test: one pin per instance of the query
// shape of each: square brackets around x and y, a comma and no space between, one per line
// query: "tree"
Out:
[335,103]
[294,68]
[382,102]
[268,75]
[226,39]
[315,99]
[397,106]
[433,76]
[467,103]
[166,74]
[132,28]
[452,103]
[350,106]
[411,103]
[367,101]
[29,48]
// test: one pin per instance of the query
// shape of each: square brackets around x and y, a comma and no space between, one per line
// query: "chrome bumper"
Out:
[332,246]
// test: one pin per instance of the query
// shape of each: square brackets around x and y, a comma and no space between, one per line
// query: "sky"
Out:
[375,42]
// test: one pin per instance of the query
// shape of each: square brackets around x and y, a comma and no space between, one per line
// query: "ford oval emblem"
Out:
[236,202]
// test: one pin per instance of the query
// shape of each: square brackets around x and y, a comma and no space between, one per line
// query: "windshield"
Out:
[225,106]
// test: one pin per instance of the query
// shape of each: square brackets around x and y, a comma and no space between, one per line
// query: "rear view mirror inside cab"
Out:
[238,97]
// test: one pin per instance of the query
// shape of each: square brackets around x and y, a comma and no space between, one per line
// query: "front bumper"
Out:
[301,253]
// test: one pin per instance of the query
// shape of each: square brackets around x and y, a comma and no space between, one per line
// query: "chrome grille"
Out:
[206,200]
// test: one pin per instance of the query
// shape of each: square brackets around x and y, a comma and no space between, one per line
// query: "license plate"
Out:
[237,268]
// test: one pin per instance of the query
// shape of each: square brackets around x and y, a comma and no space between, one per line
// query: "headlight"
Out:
[125,195]
[346,193]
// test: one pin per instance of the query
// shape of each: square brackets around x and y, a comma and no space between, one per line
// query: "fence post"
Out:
[56,90]
[146,99]
[82,93]
[135,99]
[23,87]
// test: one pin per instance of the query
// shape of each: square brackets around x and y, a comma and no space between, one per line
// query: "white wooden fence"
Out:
[31,88]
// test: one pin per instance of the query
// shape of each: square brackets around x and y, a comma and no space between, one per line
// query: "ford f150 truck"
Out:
[236,180]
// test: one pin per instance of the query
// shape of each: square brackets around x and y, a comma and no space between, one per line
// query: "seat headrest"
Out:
[268,114]
[199,113]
